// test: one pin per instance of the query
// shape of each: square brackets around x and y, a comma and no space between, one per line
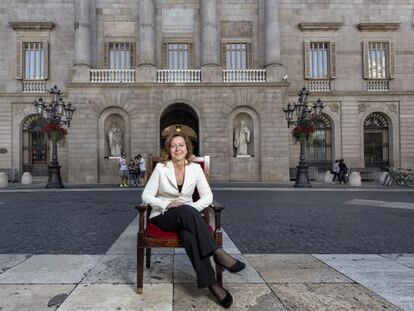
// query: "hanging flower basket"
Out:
[303,133]
[54,133]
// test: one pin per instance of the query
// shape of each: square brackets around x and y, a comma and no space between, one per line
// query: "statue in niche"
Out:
[241,139]
[115,139]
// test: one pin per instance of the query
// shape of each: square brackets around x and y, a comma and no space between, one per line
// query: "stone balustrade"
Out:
[34,86]
[244,75]
[319,85]
[112,75]
[178,76]
[378,85]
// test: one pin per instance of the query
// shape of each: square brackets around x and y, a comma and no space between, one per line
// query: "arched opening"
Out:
[319,151]
[35,147]
[180,118]
[376,140]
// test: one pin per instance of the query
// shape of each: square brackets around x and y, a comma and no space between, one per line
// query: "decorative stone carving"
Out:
[242,139]
[115,140]
[362,107]
[393,107]
[334,107]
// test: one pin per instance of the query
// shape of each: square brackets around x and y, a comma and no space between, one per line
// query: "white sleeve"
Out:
[203,188]
[149,195]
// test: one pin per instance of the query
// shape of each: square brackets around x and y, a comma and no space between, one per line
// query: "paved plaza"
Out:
[325,248]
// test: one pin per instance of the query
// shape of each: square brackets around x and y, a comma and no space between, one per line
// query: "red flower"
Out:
[49,127]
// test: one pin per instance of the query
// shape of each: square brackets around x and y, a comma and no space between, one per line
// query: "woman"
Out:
[169,192]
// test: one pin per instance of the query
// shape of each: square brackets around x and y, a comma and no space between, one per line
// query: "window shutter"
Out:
[165,55]
[249,55]
[392,59]
[45,45]
[19,59]
[306,49]
[365,51]
[332,49]
[223,55]
[191,60]
[132,54]
[106,55]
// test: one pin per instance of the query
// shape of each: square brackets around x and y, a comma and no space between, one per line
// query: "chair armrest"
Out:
[217,207]
[142,208]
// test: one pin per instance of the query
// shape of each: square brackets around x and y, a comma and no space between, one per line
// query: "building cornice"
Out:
[320,26]
[378,26]
[32,25]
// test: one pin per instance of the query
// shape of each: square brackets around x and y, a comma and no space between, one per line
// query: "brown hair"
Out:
[165,155]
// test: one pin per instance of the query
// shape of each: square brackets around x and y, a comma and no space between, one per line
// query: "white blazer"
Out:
[162,189]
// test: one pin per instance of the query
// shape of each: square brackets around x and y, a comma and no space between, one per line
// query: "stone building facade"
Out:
[204,66]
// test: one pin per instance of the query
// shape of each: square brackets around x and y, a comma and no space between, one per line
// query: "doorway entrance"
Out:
[35,147]
[182,118]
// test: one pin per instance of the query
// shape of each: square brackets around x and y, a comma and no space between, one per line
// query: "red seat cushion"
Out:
[153,231]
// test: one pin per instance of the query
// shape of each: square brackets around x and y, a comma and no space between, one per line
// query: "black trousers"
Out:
[198,242]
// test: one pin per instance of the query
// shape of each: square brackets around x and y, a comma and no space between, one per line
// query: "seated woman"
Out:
[169,192]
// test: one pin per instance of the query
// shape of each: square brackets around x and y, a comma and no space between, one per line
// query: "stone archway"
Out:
[180,117]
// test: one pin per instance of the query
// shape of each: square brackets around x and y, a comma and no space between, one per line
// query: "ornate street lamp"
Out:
[54,115]
[303,117]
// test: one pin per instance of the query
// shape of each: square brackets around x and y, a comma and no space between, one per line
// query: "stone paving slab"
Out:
[294,268]
[121,269]
[403,259]
[329,296]
[184,272]
[387,278]
[43,269]
[252,297]
[8,261]
[106,297]
[31,297]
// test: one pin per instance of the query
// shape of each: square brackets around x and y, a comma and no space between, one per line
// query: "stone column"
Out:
[82,41]
[272,41]
[146,69]
[210,57]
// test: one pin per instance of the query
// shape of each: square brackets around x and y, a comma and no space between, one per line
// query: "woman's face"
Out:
[178,149]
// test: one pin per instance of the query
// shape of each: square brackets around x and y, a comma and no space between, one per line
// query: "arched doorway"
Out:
[180,118]
[319,151]
[35,147]
[376,140]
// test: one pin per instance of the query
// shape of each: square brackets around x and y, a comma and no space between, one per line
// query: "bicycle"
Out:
[400,176]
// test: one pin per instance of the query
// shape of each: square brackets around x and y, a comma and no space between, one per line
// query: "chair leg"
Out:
[148,257]
[140,269]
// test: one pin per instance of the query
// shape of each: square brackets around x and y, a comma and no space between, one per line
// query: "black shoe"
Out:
[226,302]
[237,267]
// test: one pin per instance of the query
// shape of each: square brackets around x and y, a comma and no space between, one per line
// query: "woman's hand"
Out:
[174,205]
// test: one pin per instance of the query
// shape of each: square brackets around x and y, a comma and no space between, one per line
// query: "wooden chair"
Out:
[150,236]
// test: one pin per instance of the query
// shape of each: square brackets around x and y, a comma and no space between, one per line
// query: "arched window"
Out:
[376,140]
[35,147]
[319,152]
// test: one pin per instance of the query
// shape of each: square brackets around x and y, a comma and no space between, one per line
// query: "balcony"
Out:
[178,76]
[34,86]
[244,76]
[378,85]
[319,85]
[112,75]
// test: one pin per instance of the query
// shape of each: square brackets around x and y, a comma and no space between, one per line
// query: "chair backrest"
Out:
[204,162]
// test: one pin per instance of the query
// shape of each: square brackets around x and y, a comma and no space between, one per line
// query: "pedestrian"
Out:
[335,170]
[132,175]
[142,170]
[123,170]
[169,191]
[137,172]
[343,171]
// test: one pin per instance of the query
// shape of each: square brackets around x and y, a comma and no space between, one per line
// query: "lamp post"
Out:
[56,113]
[302,117]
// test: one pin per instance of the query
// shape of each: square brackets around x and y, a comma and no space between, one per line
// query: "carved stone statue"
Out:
[241,139]
[115,140]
